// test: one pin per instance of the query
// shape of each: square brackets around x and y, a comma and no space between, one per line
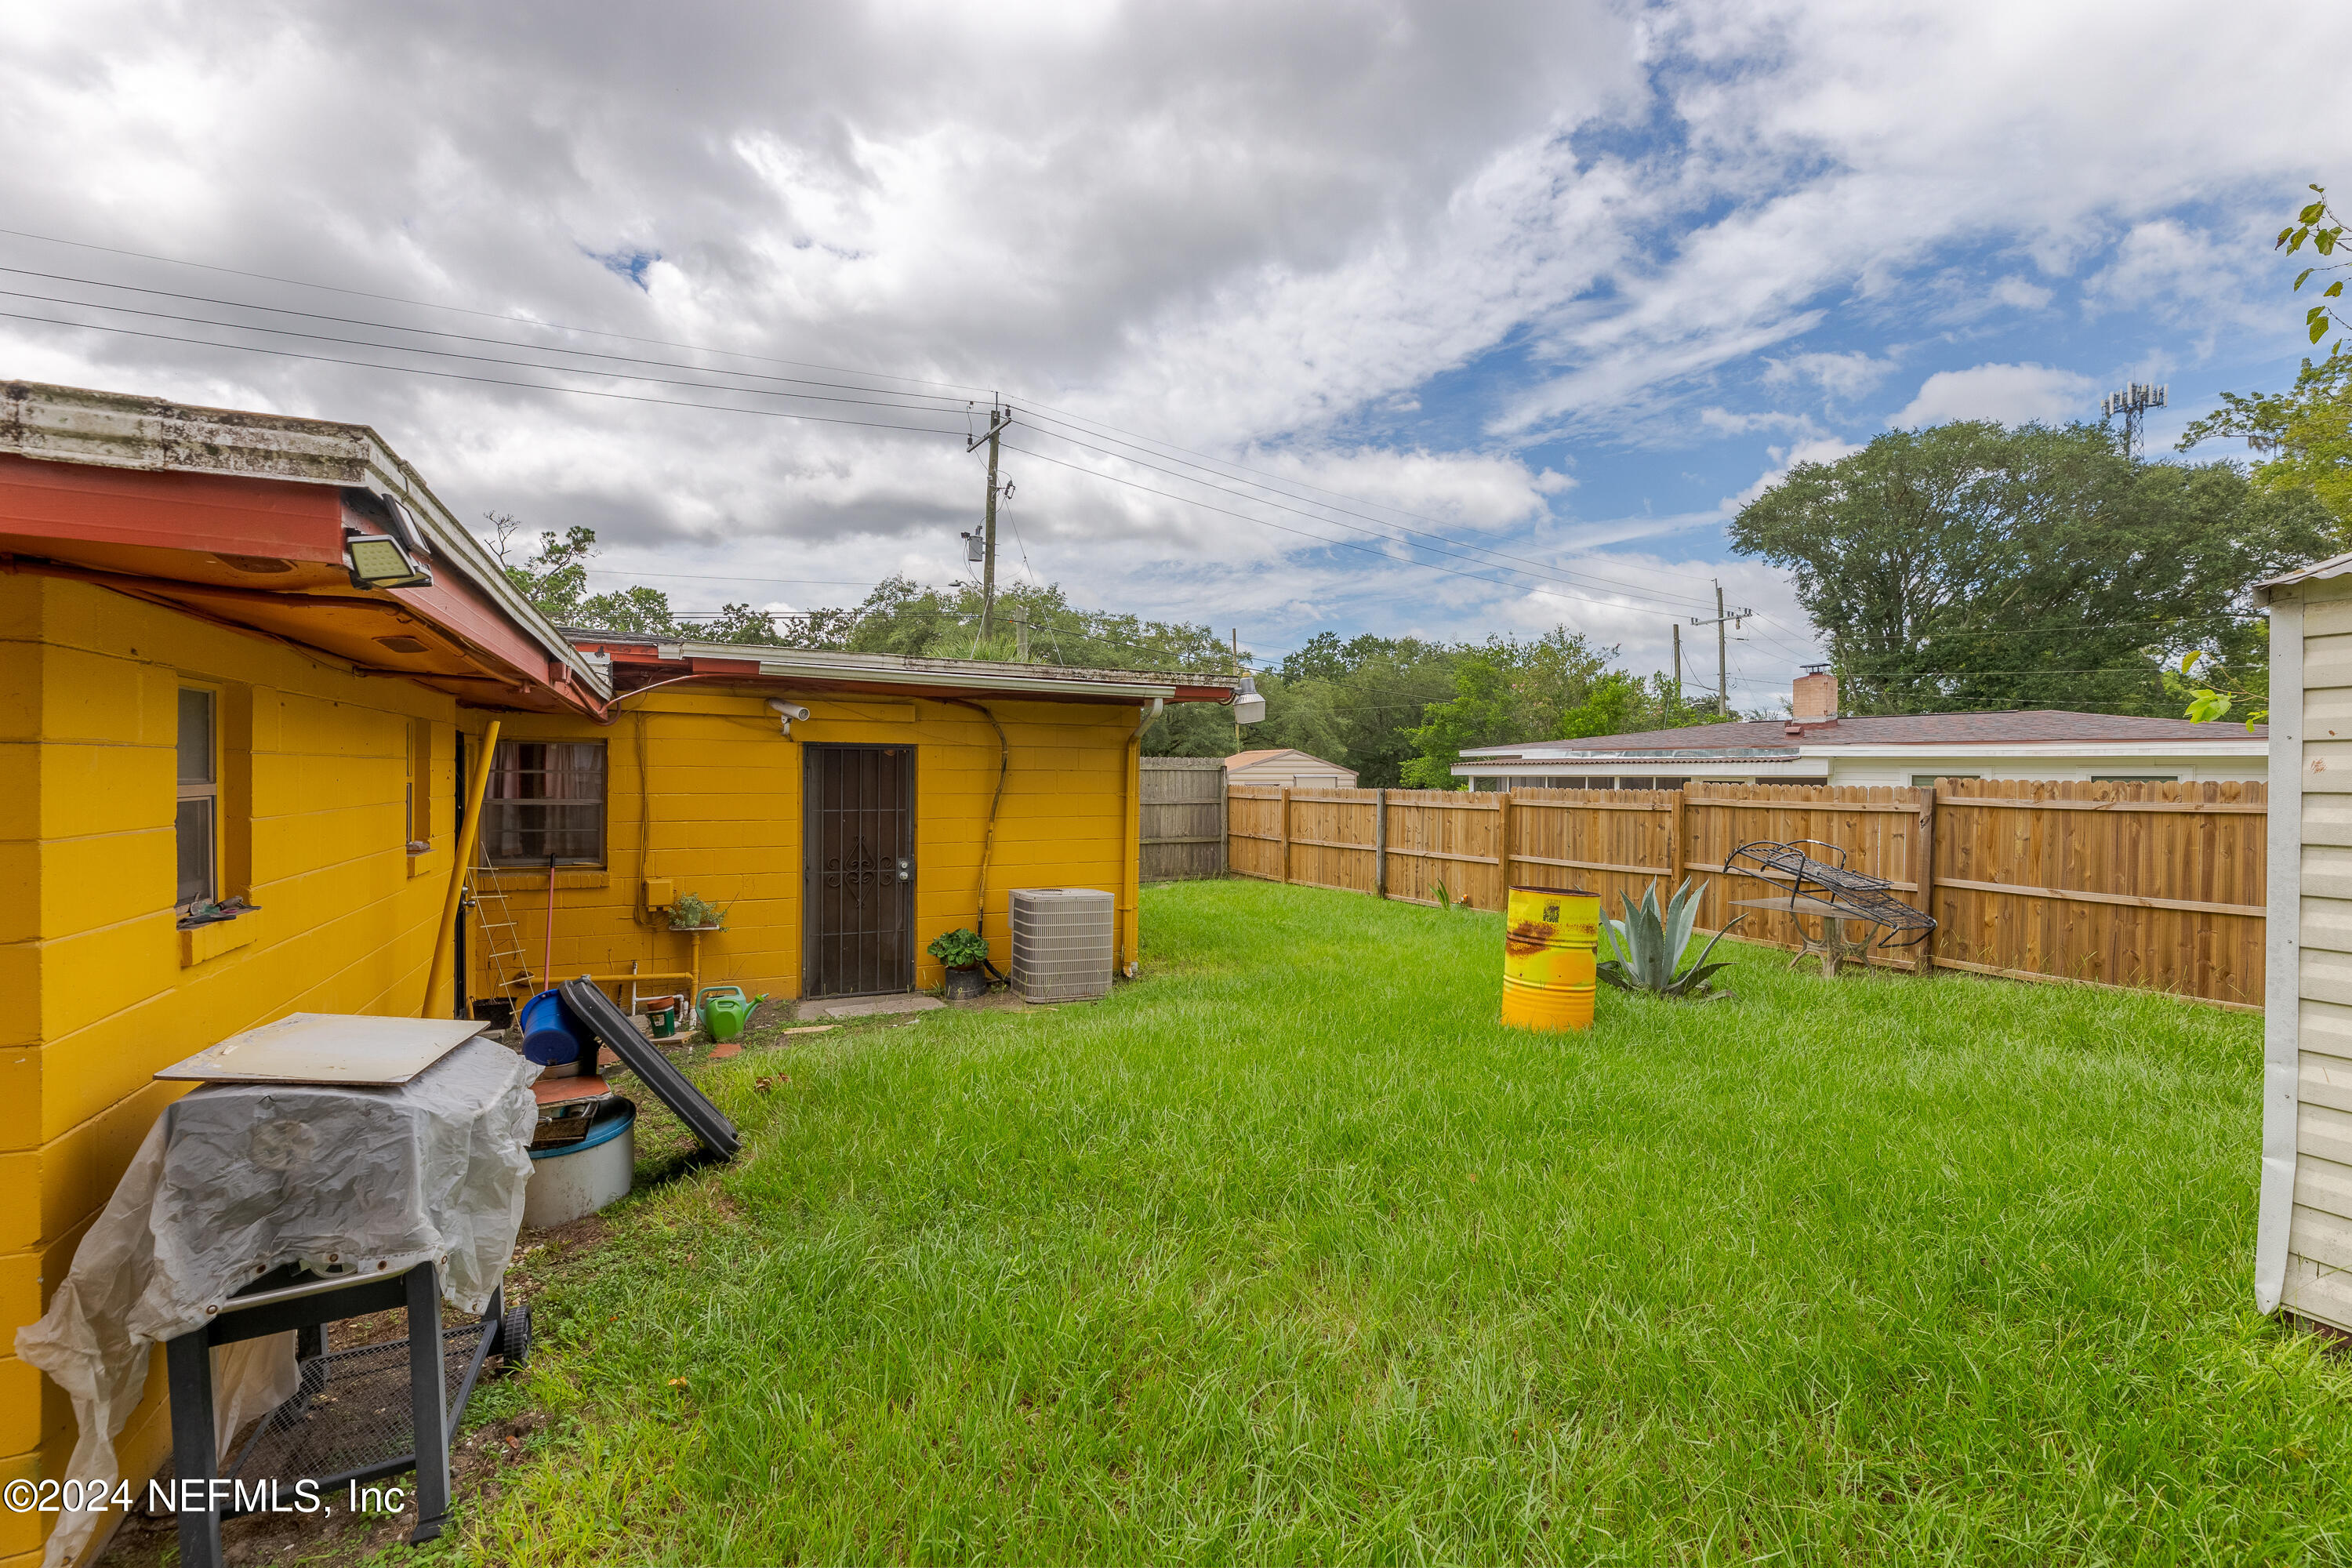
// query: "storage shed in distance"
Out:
[1286,767]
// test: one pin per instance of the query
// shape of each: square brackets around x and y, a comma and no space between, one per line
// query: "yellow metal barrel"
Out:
[1548,937]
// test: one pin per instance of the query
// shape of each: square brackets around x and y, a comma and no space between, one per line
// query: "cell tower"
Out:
[2132,402]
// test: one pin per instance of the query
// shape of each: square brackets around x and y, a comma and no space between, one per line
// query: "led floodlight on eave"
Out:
[377,561]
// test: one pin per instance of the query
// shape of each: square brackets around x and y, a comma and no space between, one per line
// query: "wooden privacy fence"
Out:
[2144,886]
[1181,818]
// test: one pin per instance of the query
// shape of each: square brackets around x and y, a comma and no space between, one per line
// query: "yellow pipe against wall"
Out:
[470,834]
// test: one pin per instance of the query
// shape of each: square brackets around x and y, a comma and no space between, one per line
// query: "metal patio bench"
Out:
[1828,890]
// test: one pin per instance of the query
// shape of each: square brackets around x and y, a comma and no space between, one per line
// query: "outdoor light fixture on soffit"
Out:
[377,561]
[390,556]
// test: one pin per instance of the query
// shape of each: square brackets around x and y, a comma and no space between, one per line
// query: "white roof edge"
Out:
[2239,745]
[120,430]
[2318,571]
[2233,741]
[896,669]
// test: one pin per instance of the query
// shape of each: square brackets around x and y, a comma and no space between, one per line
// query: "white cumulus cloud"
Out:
[2012,393]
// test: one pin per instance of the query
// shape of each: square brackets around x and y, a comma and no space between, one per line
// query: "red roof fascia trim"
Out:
[215,513]
[723,666]
[457,605]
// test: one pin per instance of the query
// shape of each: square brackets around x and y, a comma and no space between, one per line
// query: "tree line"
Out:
[1397,710]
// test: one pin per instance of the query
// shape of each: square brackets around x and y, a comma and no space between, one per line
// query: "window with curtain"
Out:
[546,804]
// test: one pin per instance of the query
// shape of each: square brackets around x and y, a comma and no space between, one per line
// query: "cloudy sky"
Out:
[1446,318]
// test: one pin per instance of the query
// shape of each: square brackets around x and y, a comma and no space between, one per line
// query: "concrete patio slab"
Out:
[868,1007]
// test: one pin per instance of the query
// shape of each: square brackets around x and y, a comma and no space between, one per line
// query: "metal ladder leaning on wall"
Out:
[501,937]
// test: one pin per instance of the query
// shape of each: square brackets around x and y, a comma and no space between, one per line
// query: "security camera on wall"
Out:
[789,713]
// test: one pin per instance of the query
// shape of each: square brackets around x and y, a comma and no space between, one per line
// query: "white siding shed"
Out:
[2303,1247]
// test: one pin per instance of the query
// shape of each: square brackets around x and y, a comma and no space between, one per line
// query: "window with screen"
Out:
[197,823]
[546,804]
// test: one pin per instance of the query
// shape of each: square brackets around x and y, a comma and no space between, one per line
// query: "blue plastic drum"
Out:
[550,1035]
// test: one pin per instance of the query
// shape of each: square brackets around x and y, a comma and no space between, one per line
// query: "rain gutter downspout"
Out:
[988,833]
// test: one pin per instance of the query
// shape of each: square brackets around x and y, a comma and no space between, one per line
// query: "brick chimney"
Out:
[1816,696]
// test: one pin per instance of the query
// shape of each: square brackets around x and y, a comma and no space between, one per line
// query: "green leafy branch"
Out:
[2317,225]
[2208,703]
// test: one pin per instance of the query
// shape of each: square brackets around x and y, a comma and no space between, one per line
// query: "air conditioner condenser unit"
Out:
[1062,942]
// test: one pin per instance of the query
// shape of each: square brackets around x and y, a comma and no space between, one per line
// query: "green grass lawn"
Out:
[1288,1253]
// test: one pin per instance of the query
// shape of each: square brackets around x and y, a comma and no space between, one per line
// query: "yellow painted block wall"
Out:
[704,792]
[101,988]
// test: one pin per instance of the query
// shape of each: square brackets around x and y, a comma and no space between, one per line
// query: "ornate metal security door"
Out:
[860,870]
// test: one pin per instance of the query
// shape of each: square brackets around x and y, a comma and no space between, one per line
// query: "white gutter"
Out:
[2282,953]
[2224,744]
[115,430]
[2177,751]
[892,669]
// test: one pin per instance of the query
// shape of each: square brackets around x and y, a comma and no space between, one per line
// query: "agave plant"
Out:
[1649,942]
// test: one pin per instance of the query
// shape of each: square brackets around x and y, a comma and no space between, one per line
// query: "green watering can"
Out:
[725,1010]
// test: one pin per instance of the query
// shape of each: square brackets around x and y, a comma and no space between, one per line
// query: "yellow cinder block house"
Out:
[247,667]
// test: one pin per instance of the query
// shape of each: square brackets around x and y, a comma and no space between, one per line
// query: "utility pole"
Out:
[998,418]
[1678,663]
[1722,653]
[1237,669]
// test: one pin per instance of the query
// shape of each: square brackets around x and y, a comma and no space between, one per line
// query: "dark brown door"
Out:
[860,870]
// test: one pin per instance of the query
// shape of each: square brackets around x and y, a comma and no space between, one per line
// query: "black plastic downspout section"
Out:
[988,839]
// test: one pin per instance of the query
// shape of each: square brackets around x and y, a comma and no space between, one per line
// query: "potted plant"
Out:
[963,951]
[693,912]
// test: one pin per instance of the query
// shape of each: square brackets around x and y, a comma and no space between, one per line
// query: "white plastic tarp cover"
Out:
[236,1179]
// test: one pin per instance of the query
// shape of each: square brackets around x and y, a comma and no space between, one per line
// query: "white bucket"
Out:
[567,1184]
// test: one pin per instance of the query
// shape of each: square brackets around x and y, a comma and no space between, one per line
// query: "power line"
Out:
[471,358]
[1565,572]
[907,401]
[1320,539]
[489,315]
[1056,415]
[1565,576]
[413,331]
[785,414]
[481,380]
[737,577]
[1320,517]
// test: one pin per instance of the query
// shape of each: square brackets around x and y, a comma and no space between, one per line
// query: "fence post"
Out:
[1923,854]
[1226,828]
[1285,808]
[1503,848]
[1380,844]
[1676,856]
